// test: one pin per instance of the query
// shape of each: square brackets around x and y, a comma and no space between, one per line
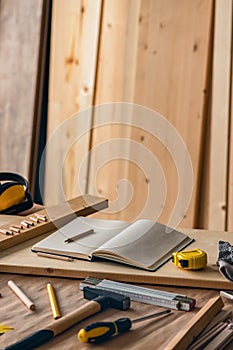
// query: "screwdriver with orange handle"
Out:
[101,331]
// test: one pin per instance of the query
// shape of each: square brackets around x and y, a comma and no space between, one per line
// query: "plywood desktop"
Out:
[20,259]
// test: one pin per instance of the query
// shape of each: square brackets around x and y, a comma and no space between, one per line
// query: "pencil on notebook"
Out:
[79,235]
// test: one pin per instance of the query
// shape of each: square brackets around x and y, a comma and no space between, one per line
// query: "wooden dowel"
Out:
[32,218]
[20,294]
[41,217]
[25,224]
[221,340]
[30,223]
[6,232]
[14,229]
[17,226]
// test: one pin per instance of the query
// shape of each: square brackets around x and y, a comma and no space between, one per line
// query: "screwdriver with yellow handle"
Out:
[101,331]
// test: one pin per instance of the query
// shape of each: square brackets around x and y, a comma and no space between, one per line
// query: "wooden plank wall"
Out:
[20,27]
[230,177]
[157,54]
[216,186]
[170,43]
[74,45]
[229,206]
[115,82]
[220,112]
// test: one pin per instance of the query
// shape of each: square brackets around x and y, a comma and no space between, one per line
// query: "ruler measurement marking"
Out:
[142,294]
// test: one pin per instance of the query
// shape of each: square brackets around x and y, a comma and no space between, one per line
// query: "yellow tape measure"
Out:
[194,259]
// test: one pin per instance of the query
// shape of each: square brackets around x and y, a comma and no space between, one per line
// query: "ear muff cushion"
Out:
[11,194]
[4,186]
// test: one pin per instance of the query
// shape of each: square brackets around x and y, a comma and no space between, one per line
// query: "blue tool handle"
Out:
[32,341]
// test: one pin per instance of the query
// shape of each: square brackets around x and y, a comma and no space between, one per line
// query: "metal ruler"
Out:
[142,294]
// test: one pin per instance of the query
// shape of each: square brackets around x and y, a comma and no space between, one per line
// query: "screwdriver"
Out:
[101,331]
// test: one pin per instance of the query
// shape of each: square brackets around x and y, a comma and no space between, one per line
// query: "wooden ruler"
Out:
[48,219]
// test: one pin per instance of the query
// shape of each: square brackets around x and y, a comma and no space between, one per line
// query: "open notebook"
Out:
[144,243]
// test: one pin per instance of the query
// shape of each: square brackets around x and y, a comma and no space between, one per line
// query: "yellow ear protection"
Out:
[14,195]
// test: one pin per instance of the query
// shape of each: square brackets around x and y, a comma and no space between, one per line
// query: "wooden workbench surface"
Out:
[20,259]
[152,334]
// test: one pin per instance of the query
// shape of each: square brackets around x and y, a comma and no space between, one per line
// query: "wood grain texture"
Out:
[187,334]
[20,259]
[152,334]
[220,113]
[40,108]
[74,44]
[115,82]
[230,181]
[20,24]
[221,341]
[230,165]
[56,216]
[157,63]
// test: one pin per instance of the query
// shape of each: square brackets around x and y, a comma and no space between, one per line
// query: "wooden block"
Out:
[185,337]
[51,218]
[219,342]
[206,338]
[222,316]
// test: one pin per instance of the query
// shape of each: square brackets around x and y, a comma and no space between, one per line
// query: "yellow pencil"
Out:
[53,301]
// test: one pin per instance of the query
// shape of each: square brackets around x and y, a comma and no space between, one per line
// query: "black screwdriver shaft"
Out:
[150,316]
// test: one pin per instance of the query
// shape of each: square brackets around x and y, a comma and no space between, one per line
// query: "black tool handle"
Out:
[32,341]
[101,331]
[55,328]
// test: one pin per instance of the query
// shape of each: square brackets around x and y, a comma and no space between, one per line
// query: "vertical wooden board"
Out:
[118,51]
[229,226]
[203,213]
[41,97]
[20,25]
[172,66]
[220,115]
[230,182]
[74,44]
[115,82]
[169,75]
